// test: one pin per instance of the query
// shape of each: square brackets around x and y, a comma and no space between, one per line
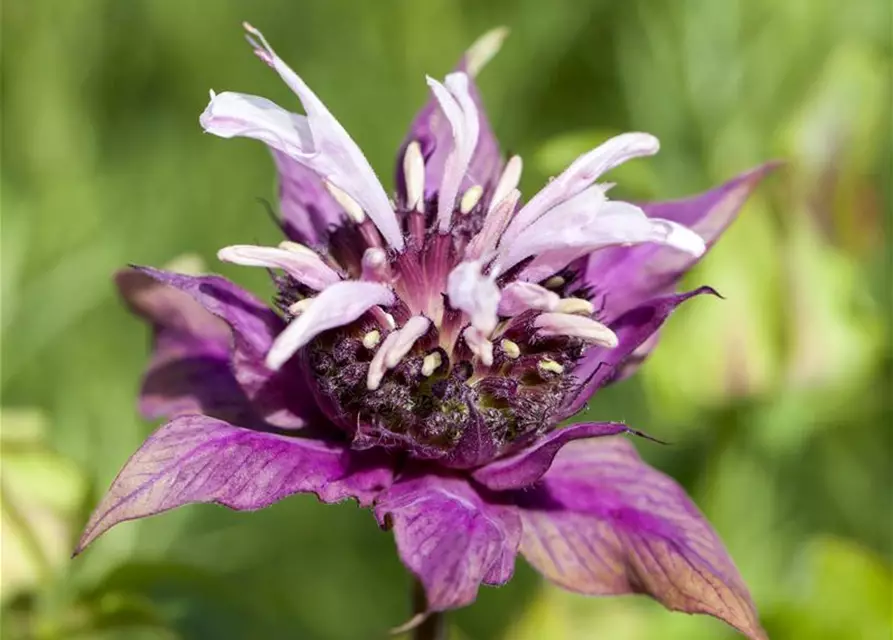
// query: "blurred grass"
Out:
[777,399]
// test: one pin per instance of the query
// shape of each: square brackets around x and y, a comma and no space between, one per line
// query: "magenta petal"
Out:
[252,327]
[201,459]
[308,211]
[189,370]
[432,131]
[600,365]
[450,537]
[625,277]
[602,522]
[524,468]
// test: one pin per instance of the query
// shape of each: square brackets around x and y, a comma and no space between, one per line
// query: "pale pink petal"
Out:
[407,335]
[321,143]
[613,223]
[581,174]
[305,267]
[461,112]
[230,115]
[495,223]
[518,297]
[378,366]
[395,346]
[336,306]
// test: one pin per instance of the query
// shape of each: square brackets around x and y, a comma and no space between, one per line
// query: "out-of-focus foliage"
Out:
[777,399]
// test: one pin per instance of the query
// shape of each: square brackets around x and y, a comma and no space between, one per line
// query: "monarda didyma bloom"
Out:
[421,352]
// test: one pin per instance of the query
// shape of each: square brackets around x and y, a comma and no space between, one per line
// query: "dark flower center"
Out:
[438,396]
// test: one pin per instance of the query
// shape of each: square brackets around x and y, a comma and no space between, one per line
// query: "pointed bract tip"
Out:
[484,48]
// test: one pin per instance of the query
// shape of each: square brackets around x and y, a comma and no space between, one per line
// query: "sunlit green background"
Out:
[776,400]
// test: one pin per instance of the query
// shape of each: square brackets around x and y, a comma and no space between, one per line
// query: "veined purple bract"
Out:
[420,352]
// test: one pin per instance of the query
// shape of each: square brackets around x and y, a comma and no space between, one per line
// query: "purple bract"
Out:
[421,351]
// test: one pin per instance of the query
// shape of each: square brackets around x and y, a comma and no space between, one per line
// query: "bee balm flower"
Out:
[420,353]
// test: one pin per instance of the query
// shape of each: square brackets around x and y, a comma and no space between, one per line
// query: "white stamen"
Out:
[300,306]
[511,349]
[555,282]
[431,363]
[577,306]
[389,320]
[351,206]
[470,198]
[550,366]
[414,176]
[335,306]
[371,339]
[508,181]
[375,265]
[297,247]
[562,324]
[483,49]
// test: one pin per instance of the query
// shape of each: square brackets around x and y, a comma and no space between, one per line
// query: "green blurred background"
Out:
[777,400]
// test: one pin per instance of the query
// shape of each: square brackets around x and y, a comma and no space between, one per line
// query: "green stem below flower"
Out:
[434,626]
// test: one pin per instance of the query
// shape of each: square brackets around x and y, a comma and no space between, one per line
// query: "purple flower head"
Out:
[420,352]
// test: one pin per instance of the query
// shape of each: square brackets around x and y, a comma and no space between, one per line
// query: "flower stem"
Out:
[433,627]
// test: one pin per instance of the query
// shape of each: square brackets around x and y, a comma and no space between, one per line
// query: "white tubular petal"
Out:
[479,345]
[414,176]
[394,348]
[305,267]
[588,229]
[375,265]
[336,306]
[475,294]
[518,297]
[318,141]
[581,174]
[483,50]
[414,329]
[461,112]
[495,223]
[231,115]
[377,367]
[562,324]
[470,198]
[508,181]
